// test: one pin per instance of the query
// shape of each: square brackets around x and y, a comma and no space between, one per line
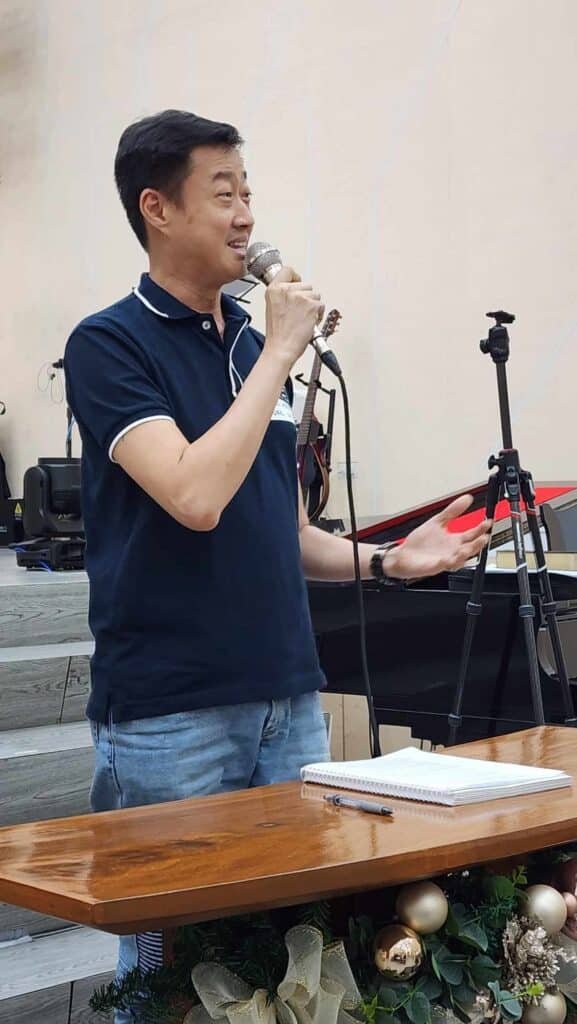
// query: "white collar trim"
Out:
[148,304]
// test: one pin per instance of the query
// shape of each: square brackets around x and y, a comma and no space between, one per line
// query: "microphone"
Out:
[263,261]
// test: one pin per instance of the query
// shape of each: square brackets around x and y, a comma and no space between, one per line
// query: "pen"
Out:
[359,805]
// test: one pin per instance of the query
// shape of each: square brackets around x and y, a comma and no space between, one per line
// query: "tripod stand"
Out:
[513,483]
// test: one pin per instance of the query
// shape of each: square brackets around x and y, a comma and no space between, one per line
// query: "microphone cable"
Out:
[263,262]
[375,746]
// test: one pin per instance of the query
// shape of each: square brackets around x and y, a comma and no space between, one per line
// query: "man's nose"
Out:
[243,215]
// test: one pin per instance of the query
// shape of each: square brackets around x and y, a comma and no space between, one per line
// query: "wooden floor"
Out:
[48,961]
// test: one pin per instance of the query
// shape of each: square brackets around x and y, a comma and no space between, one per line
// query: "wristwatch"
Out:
[376,566]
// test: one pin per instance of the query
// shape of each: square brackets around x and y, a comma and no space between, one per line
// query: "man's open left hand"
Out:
[431,549]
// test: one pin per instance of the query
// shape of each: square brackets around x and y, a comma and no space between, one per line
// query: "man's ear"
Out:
[154,208]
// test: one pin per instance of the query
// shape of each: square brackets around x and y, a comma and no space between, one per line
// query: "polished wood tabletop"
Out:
[214,856]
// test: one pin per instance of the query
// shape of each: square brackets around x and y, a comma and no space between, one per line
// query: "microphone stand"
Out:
[514,484]
[59,365]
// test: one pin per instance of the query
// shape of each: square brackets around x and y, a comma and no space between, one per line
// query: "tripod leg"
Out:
[510,636]
[547,601]
[526,608]
[474,609]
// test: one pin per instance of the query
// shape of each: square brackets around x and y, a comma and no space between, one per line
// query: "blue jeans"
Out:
[194,753]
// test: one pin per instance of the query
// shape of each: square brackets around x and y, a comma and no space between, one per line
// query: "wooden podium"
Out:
[193,860]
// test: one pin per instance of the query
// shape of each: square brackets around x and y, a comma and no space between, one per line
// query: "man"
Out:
[205,676]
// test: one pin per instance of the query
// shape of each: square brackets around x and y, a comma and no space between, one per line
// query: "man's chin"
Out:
[230,275]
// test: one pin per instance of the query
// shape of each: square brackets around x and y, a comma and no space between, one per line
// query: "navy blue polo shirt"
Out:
[184,619]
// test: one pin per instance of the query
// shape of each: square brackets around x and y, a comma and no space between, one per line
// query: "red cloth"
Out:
[471,519]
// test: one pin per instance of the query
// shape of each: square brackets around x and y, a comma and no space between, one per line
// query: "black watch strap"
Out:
[376,566]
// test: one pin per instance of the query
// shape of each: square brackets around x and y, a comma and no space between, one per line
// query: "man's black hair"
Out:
[155,153]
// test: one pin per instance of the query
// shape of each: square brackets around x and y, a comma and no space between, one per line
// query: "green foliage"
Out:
[535,990]
[153,994]
[251,945]
[461,925]
[571,1008]
[318,915]
[359,947]
[460,958]
[395,1002]
[489,901]
[509,1006]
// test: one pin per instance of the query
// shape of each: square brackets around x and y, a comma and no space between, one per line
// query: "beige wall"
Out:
[416,158]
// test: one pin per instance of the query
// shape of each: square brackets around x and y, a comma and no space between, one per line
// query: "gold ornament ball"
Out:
[397,952]
[423,907]
[571,903]
[551,1009]
[546,905]
[565,878]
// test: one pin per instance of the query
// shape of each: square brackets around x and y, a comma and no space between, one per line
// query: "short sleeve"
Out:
[110,384]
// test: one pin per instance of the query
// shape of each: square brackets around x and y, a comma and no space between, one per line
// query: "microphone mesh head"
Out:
[260,258]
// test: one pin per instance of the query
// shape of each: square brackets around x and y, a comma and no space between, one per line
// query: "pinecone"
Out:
[530,957]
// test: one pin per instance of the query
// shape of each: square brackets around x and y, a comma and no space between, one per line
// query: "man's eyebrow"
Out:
[227,176]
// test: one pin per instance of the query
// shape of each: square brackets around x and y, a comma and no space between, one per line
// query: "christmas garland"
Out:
[472,946]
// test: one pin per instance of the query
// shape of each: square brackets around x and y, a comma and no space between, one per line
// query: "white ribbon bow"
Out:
[318,988]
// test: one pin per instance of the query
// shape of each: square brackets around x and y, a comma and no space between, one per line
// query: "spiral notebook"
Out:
[416,774]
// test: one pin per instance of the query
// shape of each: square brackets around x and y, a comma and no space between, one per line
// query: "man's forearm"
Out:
[218,462]
[330,559]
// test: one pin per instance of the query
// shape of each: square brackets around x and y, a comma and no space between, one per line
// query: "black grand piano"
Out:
[414,636]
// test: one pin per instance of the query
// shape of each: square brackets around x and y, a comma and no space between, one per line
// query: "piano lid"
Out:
[557,496]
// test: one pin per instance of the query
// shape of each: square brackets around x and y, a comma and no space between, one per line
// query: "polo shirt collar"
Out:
[168,307]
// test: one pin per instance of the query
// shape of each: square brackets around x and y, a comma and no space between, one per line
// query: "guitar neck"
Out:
[308,408]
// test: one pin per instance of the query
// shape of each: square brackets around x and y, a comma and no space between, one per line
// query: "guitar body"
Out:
[305,457]
[318,491]
[313,474]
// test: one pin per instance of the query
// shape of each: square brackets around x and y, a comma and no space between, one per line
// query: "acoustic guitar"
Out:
[311,444]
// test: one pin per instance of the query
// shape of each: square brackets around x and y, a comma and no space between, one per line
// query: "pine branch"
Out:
[153,992]
[317,915]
